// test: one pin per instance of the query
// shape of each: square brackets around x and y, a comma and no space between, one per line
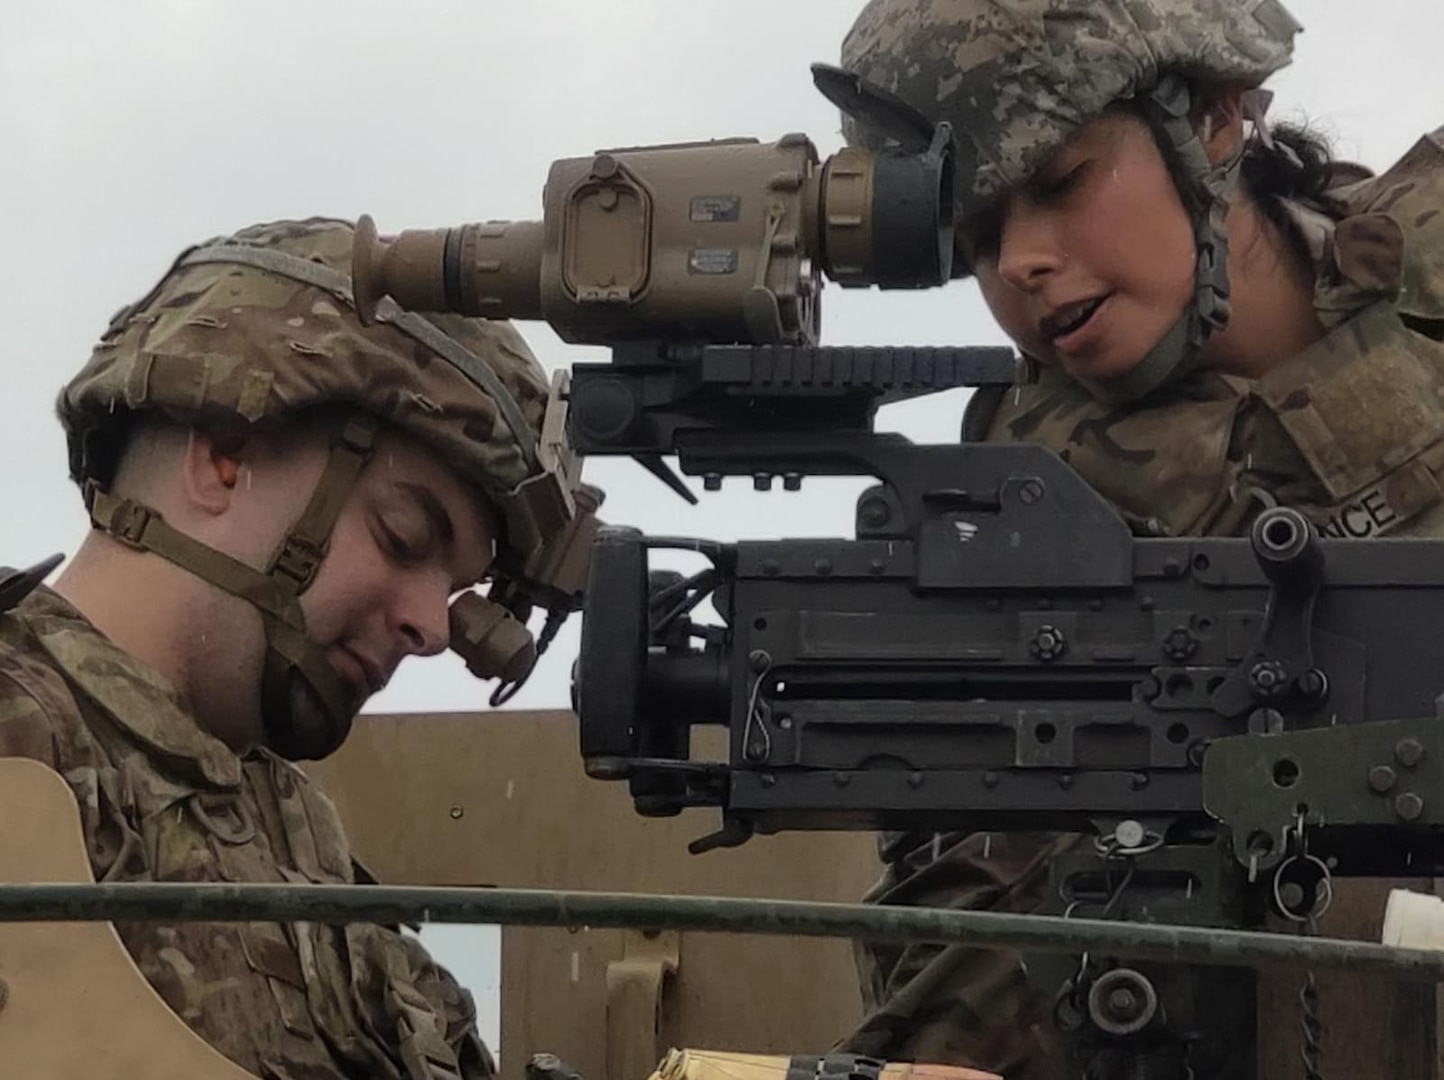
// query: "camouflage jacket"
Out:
[162,800]
[1350,431]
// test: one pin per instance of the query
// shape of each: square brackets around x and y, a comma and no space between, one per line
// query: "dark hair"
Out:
[1299,166]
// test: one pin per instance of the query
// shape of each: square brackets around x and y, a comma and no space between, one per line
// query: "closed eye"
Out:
[1047,188]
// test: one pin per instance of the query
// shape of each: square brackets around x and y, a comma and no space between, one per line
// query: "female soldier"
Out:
[1219,318]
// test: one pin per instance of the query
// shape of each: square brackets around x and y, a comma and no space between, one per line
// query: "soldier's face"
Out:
[1090,264]
[411,536]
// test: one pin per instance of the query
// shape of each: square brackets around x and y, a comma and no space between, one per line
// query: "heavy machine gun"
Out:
[1228,722]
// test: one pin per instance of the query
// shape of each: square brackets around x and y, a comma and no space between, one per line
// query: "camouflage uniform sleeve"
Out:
[27,719]
[954,1004]
[454,1004]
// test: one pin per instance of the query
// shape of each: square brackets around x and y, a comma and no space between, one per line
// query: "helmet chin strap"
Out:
[295,667]
[1212,186]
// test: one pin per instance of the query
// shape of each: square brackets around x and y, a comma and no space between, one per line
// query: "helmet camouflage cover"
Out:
[1015,78]
[217,338]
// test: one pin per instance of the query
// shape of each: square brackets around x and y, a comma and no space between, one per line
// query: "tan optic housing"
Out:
[714,242]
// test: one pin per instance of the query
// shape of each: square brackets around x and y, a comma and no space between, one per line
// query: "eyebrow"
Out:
[436,515]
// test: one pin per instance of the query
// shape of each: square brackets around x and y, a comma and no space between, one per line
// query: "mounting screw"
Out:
[762,481]
[1179,644]
[759,660]
[1409,752]
[822,567]
[874,512]
[1048,643]
[1409,806]
[792,481]
[1129,834]
[712,482]
[1268,679]
[1381,778]
[457,812]
[1032,491]
[1313,685]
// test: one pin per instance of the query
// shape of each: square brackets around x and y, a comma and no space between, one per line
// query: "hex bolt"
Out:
[1409,806]
[762,481]
[1409,752]
[712,481]
[1032,491]
[1179,644]
[1381,778]
[1268,679]
[1048,643]
[792,481]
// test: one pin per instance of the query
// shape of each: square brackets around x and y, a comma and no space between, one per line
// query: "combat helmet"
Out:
[1016,78]
[261,325]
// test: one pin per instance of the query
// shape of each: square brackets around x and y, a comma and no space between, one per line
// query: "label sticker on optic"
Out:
[716,207]
[712,261]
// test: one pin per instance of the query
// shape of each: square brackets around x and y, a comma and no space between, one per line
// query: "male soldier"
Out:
[1218,320]
[284,505]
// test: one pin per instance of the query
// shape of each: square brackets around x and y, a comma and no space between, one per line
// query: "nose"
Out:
[1029,249]
[422,617]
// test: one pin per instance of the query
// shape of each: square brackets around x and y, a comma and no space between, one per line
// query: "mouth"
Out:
[366,675]
[1065,325]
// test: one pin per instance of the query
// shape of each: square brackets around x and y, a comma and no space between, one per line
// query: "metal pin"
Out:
[987,844]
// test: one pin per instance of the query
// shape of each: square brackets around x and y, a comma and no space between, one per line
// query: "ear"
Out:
[211,469]
[1220,122]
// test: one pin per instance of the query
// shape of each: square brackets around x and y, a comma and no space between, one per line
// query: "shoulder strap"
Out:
[16,585]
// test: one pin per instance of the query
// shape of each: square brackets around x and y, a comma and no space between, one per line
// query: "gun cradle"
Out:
[997,652]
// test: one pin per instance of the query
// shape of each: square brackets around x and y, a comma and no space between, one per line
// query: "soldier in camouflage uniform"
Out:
[1218,319]
[284,504]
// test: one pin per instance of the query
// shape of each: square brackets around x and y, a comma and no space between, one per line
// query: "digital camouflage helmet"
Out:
[262,325]
[1016,78]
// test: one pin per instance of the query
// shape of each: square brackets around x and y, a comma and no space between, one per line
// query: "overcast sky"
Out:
[131,128]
